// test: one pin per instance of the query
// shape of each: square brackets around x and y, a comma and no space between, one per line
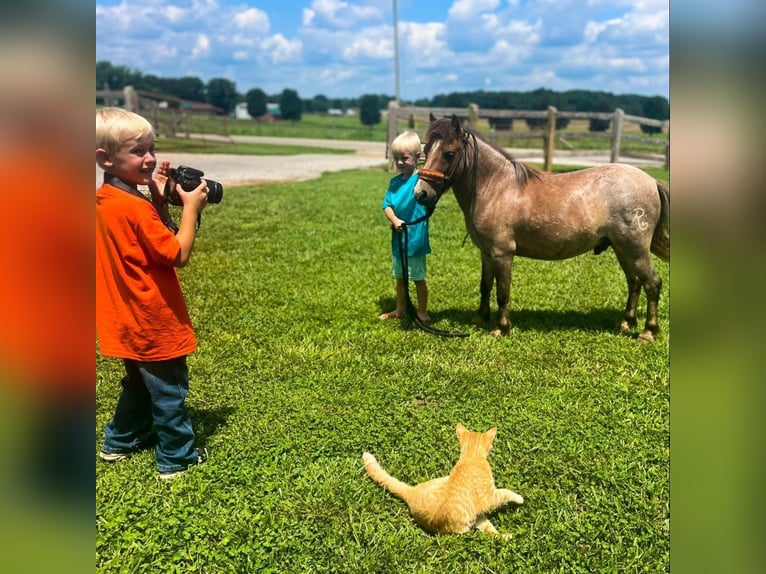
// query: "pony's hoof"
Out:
[623,327]
[497,332]
[645,337]
[479,320]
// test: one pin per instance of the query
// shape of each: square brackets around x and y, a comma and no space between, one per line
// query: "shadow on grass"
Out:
[542,320]
[207,421]
[595,320]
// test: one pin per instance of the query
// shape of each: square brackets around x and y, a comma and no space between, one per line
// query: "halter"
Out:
[435,178]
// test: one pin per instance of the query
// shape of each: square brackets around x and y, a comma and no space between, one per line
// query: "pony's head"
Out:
[445,141]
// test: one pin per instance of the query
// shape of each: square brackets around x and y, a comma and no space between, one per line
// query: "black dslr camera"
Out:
[190,178]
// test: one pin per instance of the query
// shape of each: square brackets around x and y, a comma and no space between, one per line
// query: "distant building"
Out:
[273,109]
[240,111]
[335,112]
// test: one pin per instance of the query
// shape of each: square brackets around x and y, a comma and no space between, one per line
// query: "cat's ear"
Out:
[460,430]
[491,433]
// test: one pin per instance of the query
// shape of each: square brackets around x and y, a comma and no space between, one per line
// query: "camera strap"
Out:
[115,181]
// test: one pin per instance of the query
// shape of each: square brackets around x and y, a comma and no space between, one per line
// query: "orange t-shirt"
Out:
[140,309]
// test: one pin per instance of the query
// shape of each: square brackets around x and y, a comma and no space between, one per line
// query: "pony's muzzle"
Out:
[429,180]
[422,196]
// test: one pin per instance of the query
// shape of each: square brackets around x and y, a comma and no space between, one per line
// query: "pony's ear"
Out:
[455,123]
[432,117]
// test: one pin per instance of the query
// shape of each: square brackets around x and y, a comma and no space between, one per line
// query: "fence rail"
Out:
[402,118]
[171,116]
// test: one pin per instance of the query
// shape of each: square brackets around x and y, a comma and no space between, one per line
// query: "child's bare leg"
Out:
[421,289]
[401,302]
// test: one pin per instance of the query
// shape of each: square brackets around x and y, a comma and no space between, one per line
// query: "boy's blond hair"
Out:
[116,127]
[406,142]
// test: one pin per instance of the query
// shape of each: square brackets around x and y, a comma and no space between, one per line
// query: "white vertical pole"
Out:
[396,53]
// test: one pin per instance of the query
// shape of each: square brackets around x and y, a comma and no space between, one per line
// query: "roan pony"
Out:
[513,209]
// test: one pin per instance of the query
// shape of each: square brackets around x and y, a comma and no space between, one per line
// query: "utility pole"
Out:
[396,53]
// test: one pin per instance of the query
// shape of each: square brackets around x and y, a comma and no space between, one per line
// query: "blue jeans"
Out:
[154,394]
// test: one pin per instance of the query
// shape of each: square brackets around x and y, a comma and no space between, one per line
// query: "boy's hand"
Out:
[196,199]
[159,181]
[396,224]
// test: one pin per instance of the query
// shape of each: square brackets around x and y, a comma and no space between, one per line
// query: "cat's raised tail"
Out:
[376,473]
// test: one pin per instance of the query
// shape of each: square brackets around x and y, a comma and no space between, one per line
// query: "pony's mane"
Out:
[524,173]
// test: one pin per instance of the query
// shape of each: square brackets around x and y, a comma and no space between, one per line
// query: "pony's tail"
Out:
[661,238]
[376,473]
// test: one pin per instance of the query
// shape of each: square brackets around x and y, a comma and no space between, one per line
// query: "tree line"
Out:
[223,94]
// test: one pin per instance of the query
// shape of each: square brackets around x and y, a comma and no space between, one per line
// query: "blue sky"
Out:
[345,48]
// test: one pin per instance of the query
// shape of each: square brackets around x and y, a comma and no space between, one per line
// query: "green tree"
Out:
[318,104]
[256,102]
[222,93]
[114,77]
[187,88]
[601,104]
[656,108]
[369,110]
[290,104]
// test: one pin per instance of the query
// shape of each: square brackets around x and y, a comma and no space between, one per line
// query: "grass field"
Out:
[295,377]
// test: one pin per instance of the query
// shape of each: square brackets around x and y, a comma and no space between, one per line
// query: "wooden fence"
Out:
[170,116]
[402,118]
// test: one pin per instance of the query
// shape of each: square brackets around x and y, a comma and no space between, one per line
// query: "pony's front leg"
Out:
[485,288]
[502,267]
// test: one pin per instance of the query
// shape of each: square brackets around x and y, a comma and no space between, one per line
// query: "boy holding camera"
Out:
[141,314]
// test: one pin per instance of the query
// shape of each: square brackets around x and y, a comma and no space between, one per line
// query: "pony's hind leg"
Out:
[652,288]
[629,320]
[640,273]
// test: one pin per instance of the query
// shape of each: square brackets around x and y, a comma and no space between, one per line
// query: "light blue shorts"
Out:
[416,268]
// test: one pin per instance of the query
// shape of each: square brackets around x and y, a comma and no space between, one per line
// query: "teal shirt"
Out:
[400,196]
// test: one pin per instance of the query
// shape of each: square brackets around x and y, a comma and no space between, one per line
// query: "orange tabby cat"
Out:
[452,504]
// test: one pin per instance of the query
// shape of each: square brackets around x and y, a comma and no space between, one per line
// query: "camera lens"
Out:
[214,191]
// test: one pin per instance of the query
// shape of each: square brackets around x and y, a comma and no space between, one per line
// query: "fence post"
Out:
[667,147]
[473,116]
[132,103]
[616,135]
[549,140]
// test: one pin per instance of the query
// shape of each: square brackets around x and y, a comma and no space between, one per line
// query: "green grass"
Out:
[295,377]
[309,126]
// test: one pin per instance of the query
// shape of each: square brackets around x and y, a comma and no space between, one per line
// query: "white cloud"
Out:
[202,47]
[282,50]
[375,44]
[174,13]
[253,20]
[338,14]
[468,9]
